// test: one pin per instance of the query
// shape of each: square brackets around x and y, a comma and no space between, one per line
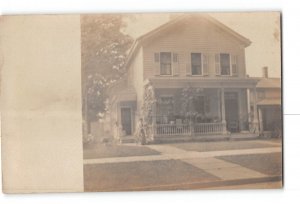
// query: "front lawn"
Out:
[148,175]
[270,164]
[112,150]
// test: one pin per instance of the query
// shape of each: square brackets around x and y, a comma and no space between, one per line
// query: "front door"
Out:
[126,120]
[232,111]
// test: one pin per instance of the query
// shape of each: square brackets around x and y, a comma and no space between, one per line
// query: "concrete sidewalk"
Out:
[217,167]
[168,152]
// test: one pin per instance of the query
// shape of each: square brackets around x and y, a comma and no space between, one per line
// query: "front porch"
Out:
[187,112]
[197,132]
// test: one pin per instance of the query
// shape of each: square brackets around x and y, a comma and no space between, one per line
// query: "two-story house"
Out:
[194,68]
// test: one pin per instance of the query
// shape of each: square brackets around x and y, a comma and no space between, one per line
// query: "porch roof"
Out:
[269,101]
[269,83]
[211,82]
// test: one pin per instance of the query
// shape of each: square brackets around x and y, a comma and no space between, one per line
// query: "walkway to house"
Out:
[218,165]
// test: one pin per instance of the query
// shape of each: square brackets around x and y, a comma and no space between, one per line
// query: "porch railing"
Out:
[208,128]
[188,129]
[172,129]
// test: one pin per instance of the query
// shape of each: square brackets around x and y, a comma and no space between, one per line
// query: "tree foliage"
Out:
[103,53]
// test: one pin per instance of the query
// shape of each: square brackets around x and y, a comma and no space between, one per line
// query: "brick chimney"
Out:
[265,73]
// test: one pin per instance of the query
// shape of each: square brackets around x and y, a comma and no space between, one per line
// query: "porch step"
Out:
[179,138]
[243,136]
[129,139]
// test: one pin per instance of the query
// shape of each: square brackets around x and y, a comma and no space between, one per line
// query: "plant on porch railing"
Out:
[147,114]
[148,103]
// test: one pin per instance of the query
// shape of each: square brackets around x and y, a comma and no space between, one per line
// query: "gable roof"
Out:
[140,40]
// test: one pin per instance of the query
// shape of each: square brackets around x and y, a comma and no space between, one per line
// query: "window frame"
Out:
[201,56]
[230,64]
[160,64]
[161,116]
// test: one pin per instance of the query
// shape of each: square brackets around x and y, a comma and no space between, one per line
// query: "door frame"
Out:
[131,118]
[237,92]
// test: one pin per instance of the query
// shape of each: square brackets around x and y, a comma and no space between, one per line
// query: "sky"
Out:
[261,28]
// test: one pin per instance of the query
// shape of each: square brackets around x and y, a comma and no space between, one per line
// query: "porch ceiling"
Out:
[230,82]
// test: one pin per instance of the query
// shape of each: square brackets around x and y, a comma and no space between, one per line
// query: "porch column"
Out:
[154,107]
[223,118]
[261,127]
[255,117]
[118,124]
[249,105]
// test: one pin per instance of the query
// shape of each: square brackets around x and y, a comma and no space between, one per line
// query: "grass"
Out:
[221,145]
[106,151]
[139,175]
[270,164]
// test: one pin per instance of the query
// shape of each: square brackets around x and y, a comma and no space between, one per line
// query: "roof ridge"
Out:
[219,24]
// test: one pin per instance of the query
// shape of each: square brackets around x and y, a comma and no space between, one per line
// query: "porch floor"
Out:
[209,137]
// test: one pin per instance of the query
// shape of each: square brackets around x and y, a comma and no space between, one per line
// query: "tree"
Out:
[147,114]
[103,53]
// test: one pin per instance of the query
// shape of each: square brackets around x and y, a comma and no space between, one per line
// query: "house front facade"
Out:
[189,78]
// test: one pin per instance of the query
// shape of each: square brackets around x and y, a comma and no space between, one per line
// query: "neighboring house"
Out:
[192,58]
[268,91]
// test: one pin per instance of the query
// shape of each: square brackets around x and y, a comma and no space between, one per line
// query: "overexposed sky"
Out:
[261,28]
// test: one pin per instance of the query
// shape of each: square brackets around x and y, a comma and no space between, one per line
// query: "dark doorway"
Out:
[232,111]
[126,120]
[271,117]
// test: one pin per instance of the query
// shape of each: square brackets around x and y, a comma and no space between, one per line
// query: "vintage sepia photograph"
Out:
[181,101]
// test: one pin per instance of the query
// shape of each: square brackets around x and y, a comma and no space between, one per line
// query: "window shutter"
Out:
[156,64]
[205,64]
[234,66]
[175,64]
[217,64]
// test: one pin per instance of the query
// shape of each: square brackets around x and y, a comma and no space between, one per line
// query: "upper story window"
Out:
[165,63]
[226,64]
[196,63]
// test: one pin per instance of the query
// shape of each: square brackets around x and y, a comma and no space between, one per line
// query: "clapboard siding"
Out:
[194,36]
[135,71]
[270,93]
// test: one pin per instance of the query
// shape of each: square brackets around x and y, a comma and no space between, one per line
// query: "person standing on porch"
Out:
[140,132]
